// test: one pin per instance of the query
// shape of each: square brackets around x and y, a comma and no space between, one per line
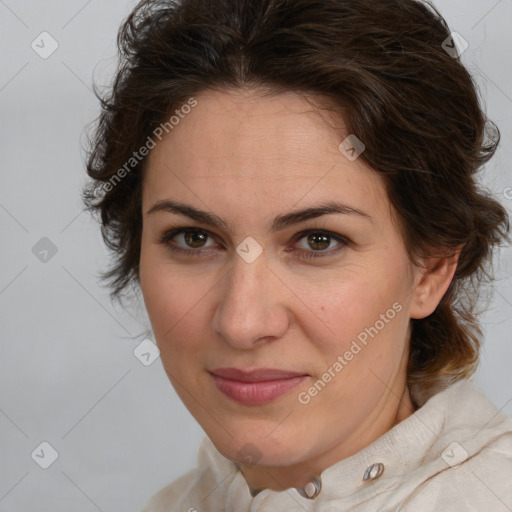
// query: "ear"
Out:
[432,281]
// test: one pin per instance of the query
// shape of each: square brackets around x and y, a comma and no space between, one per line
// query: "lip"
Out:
[256,375]
[255,386]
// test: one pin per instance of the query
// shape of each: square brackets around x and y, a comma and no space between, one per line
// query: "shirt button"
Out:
[374,471]
[311,490]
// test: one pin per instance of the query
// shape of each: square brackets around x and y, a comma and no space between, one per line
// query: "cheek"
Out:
[366,344]
[349,303]
[175,302]
[363,316]
[168,302]
[164,291]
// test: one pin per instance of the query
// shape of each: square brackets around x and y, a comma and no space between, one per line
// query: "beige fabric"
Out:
[453,454]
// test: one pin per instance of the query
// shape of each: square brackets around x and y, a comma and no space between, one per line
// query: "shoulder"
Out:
[171,496]
[472,458]
[479,483]
[198,488]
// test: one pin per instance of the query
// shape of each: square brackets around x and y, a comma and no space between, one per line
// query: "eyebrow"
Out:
[280,222]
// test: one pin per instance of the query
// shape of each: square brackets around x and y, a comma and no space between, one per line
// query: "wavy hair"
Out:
[413,104]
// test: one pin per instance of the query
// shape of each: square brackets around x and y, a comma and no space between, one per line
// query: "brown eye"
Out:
[319,241]
[195,239]
[314,244]
[187,240]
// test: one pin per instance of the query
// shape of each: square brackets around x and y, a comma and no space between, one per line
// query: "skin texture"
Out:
[248,158]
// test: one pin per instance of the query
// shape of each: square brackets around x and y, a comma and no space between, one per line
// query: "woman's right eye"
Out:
[192,240]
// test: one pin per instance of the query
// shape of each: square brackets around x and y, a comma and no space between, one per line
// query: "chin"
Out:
[258,449]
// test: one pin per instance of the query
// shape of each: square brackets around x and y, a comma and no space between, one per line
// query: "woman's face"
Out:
[251,283]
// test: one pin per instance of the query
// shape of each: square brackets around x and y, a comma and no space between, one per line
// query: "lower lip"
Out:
[256,392]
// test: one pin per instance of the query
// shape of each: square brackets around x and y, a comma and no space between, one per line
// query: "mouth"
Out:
[255,387]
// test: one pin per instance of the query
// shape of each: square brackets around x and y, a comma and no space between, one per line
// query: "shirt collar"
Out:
[416,442]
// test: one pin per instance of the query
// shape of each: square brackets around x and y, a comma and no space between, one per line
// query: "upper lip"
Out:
[256,375]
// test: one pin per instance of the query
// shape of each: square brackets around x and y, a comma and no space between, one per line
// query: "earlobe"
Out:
[432,283]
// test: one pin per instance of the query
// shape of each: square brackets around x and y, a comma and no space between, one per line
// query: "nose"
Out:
[251,304]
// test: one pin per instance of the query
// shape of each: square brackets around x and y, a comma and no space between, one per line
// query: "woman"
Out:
[292,186]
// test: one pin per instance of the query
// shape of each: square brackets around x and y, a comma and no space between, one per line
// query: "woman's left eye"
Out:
[315,242]
[319,241]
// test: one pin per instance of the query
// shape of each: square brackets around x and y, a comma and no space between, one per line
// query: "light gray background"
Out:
[68,375]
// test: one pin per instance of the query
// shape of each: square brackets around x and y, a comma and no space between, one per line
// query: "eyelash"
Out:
[169,235]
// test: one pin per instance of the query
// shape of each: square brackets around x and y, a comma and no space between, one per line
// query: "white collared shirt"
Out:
[453,454]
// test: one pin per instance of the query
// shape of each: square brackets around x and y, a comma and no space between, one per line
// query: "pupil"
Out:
[192,237]
[318,240]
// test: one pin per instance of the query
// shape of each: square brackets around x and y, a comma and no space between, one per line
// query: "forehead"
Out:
[281,147]
[255,123]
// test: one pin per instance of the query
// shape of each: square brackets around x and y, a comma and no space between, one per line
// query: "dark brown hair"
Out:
[414,106]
